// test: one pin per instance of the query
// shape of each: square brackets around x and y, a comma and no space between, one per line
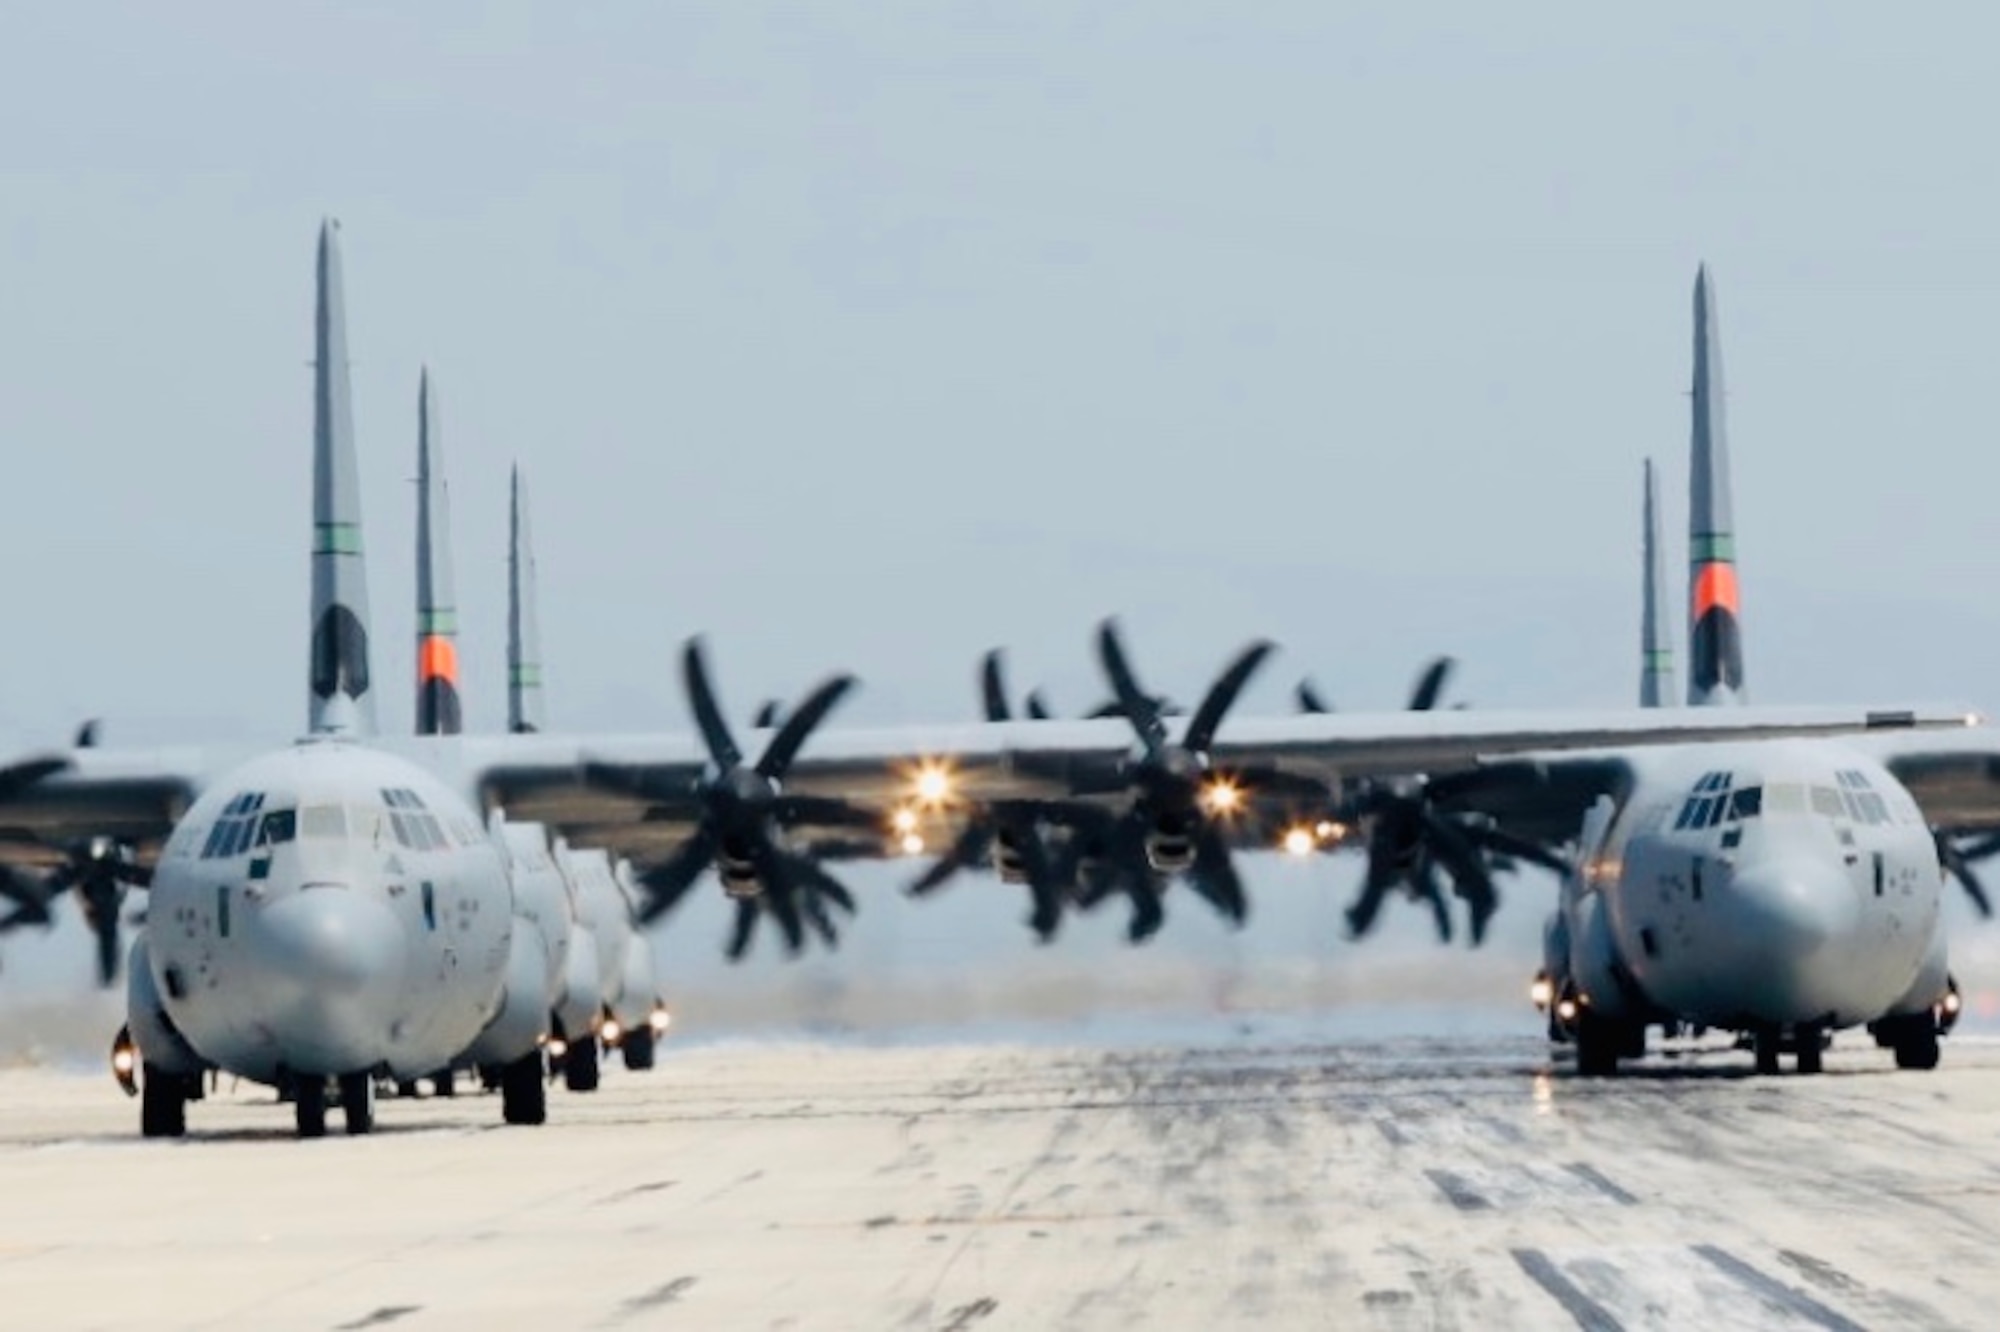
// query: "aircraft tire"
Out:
[580,1065]
[1598,1044]
[357,1103]
[1767,1044]
[1812,1050]
[162,1104]
[1917,1048]
[524,1097]
[309,1107]
[637,1049]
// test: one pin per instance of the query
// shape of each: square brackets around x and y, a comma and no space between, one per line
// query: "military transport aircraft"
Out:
[595,968]
[1780,889]
[333,909]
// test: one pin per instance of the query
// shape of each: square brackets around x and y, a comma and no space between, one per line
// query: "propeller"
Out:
[101,871]
[1015,827]
[30,898]
[742,812]
[1180,802]
[1958,856]
[1412,841]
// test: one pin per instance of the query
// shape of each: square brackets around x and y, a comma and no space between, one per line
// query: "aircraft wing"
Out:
[637,794]
[50,801]
[1954,776]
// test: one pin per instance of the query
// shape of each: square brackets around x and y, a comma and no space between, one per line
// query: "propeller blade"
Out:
[993,688]
[1215,878]
[1310,699]
[768,713]
[107,950]
[822,924]
[1430,685]
[1506,844]
[781,894]
[668,882]
[1375,883]
[1222,694]
[86,734]
[707,712]
[1038,707]
[962,854]
[1147,915]
[1138,707]
[668,786]
[746,924]
[1968,879]
[1979,848]
[1425,880]
[1469,875]
[822,812]
[820,883]
[785,745]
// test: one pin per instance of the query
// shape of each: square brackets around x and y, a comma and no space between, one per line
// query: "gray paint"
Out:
[1656,635]
[340,697]
[524,635]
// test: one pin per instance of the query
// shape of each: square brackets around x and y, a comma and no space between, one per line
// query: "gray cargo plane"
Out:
[334,910]
[1782,888]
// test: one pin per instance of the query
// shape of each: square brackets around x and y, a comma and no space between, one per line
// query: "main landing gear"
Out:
[1808,1042]
[163,1099]
[524,1097]
[1913,1037]
[356,1093]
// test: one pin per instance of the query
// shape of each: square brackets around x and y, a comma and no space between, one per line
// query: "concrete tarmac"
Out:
[1389,1183]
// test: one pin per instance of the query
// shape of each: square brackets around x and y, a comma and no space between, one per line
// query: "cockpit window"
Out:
[1785,798]
[1826,800]
[328,822]
[279,826]
[1746,803]
[232,832]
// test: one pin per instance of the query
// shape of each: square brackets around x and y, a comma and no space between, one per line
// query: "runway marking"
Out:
[965,1315]
[638,1189]
[1588,1313]
[1775,1292]
[1461,1194]
[388,1313]
[1596,1178]
[657,1298]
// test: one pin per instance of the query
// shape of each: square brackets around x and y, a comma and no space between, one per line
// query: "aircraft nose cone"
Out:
[331,963]
[1788,929]
[333,942]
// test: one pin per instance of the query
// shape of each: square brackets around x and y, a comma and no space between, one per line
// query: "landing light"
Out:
[1299,841]
[1329,831]
[1566,1010]
[558,1047]
[933,783]
[611,1032]
[660,1019]
[912,844]
[904,821]
[1951,1001]
[1222,797]
[125,1061]
[1542,991]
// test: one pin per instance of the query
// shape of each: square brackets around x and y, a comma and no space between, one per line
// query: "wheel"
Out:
[162,1104]
[1812,1050]
[444,1082]
[309,1107]
[1598,1044]
[1918,1047]
[406,1089]
[357,1103]
[580,1065]
[524,1097]
[1767,1045]
[638,1048]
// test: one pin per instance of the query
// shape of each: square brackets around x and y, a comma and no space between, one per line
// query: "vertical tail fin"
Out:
[524,634]
[1715,635]
[438,710]
[340,698]
[1656,640]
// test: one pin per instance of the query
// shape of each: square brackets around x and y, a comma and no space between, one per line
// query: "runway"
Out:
[1410,1182]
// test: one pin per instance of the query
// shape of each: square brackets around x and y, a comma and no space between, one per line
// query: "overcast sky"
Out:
[868,336]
